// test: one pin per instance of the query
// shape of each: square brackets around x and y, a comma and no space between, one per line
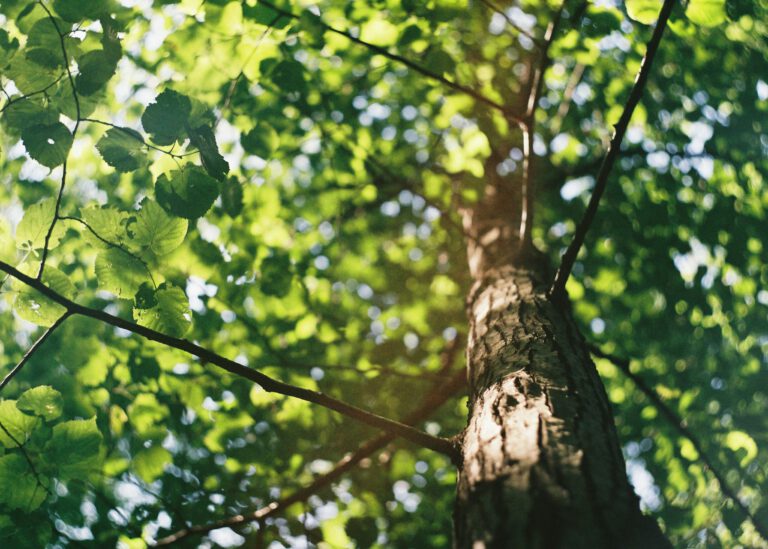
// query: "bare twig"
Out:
[31,351]
[269,384]
[680,424]
[506,111]
[558,285]
[434,400]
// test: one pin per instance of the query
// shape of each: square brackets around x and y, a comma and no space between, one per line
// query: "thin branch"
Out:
[31,351]
[12,100]
[680,424]
[529,128]
[565,104]
[233,83]
[269,384]
[506,111]
[74,133]
[558,285]
[436,398]
[493,7]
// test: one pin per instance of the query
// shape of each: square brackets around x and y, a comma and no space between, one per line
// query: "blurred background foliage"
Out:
[333,257]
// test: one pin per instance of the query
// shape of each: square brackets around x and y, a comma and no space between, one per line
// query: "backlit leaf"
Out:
[158,231]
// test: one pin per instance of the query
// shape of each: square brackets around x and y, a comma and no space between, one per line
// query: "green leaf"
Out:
[169,314]
[262,141]
[276,275]
[96,69]
[109,223]
[77,10]
[314,29]
[123,149]
[43,401]
[34,226]
[706,13]
[19,488]
[34,307]
[30,112]
[76,445]
[8,47]
[379,32]
[29,76]
[231,196]
[150,463]
[158,231]
[17,423]
[188,193]
[48,144]
[44,44]
[644,11]
[7,242]
[742,443]
[166,118]
[289,76]
[205,141]
[120,273]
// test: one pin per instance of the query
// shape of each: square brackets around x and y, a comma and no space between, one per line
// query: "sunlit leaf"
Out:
[168,312]
[43,401]
[158,231]
[644,11]
[120,272]
[35,307]
[36,224]
[76,444]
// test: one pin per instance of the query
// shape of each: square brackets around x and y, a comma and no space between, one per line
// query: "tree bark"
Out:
[542,465]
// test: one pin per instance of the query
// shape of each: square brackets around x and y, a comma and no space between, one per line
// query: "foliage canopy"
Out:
[280,184]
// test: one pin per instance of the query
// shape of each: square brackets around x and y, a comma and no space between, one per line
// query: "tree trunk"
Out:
[542,466]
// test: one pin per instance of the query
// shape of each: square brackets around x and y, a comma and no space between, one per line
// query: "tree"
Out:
[241,241]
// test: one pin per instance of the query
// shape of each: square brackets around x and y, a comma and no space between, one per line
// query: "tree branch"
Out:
[680,424]
[269,384]
[558,285]
[74,133]
[537,82]
[436,398]
[493,7]
[12,100]
[31,351]
[506,111]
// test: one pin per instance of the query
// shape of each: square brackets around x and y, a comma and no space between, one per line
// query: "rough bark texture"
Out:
[542,466]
